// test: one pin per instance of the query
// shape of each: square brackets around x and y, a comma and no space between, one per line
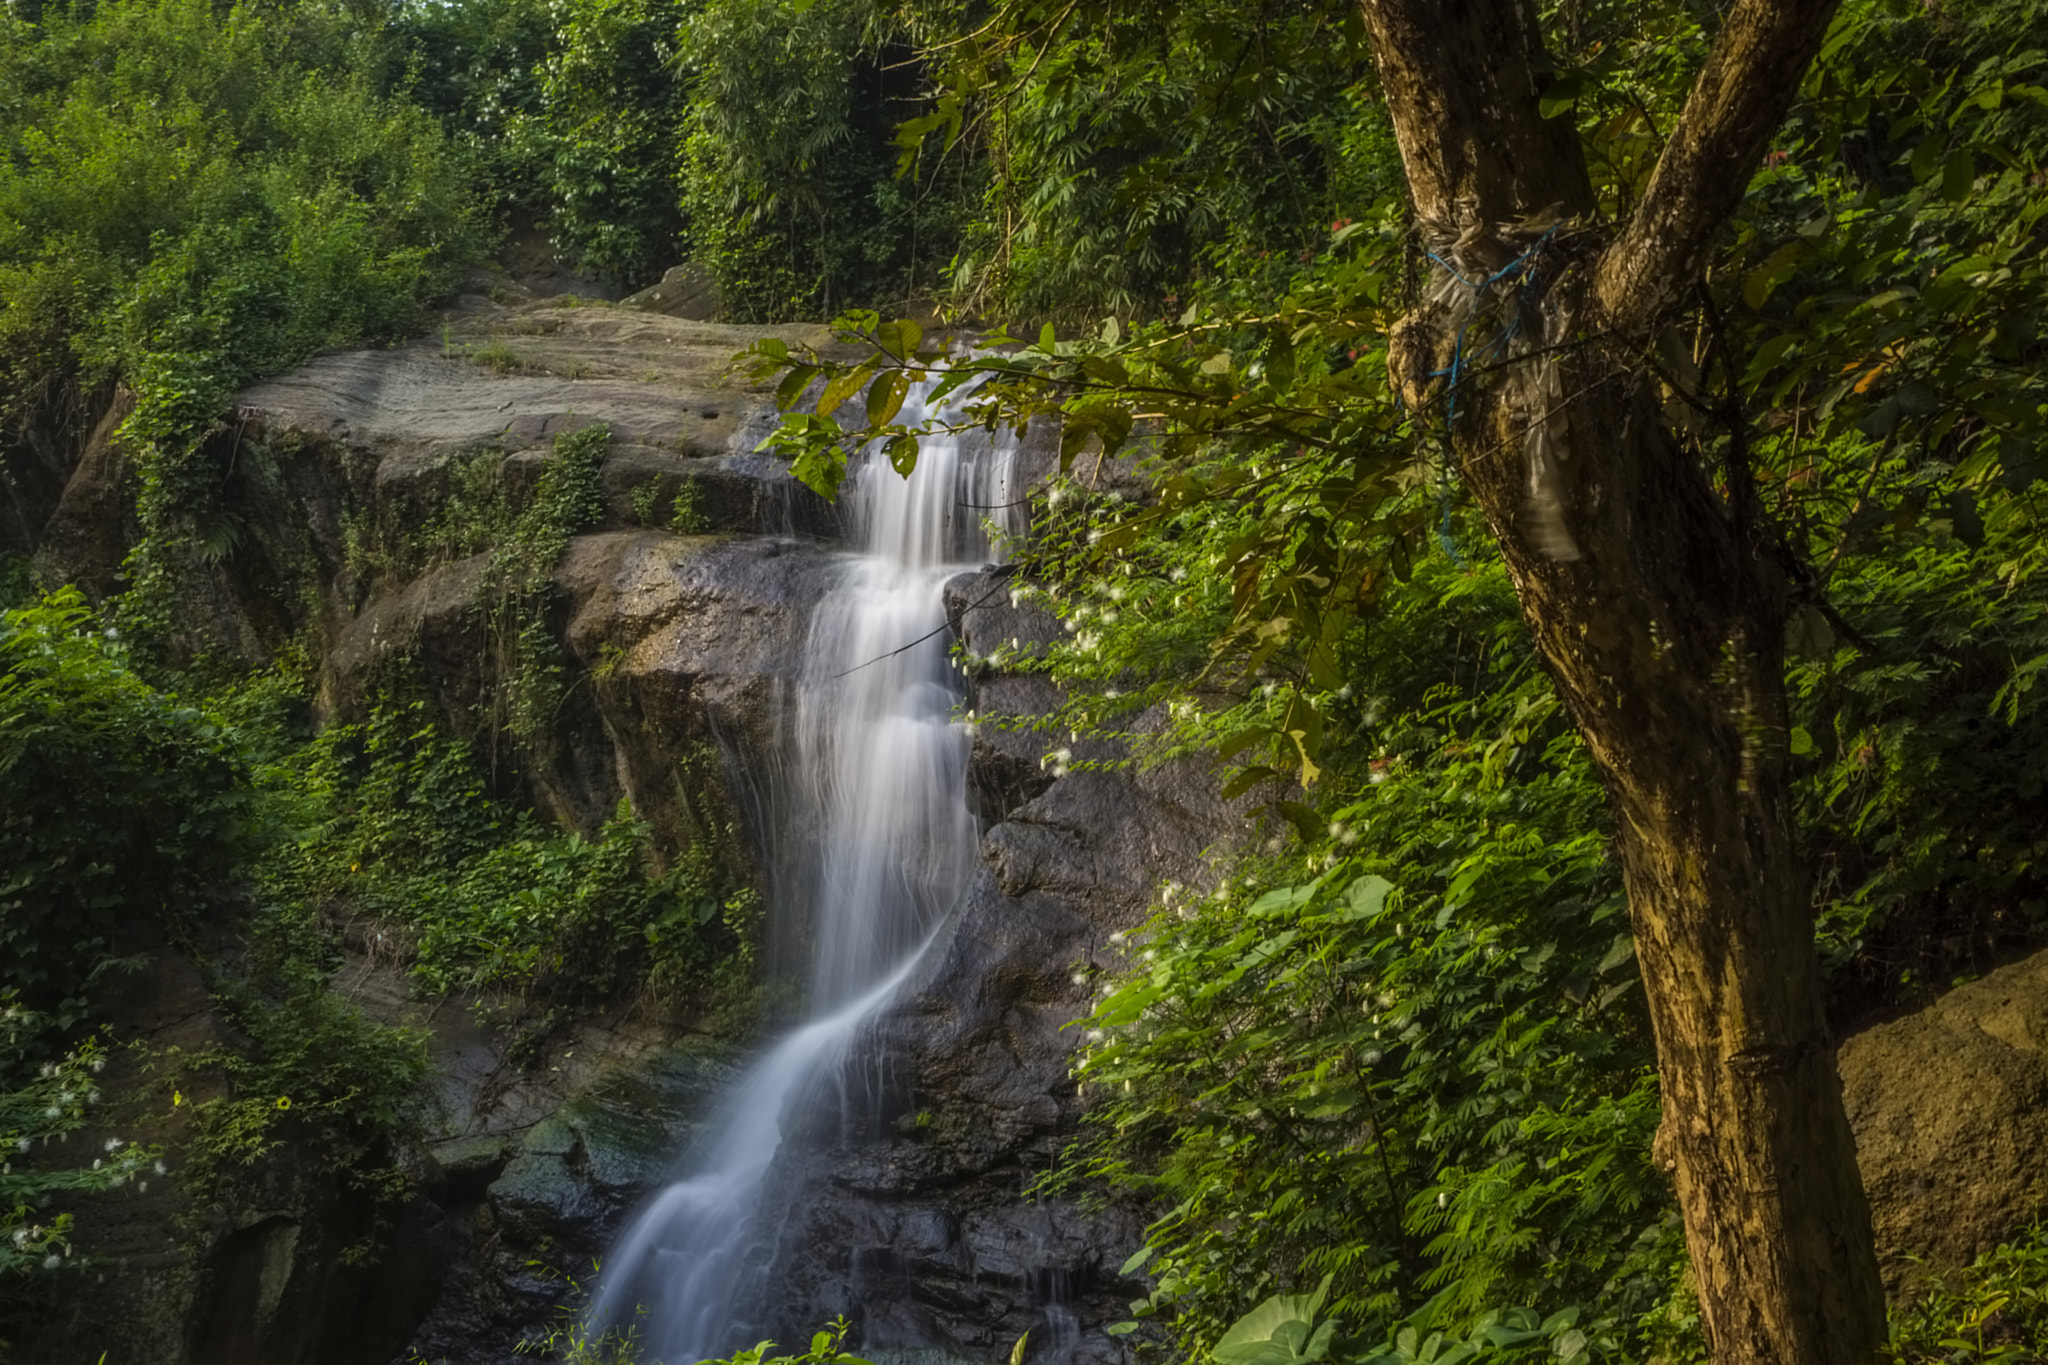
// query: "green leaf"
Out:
[899,338]
[1764,280]
[1366,898]
[1800,742]
[791,390]
[885,397]
[902,451]
[1958,174]
[843,387]
[1138,1261]
[1282,1321]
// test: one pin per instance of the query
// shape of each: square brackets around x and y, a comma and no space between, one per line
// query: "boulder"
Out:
[685,291]
[1950,1110]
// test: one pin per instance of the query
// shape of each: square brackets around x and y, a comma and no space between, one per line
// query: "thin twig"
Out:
[1002,572]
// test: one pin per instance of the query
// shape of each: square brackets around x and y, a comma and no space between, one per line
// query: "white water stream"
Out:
[886,845]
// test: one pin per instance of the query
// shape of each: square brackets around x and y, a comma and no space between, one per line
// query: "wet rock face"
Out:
[919,1225]
[1950,1110]
[909,1212]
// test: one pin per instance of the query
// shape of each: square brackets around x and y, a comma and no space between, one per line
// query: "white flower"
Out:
[161,1169]
[99,1064]
[51,1262]
[113,1144]
[95,1163]
[53,1112]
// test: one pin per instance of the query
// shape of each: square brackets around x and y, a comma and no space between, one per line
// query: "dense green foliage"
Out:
[1409,1063]
[191,196]
[475,894]
[1413,1064]
[1398,1053]
[120,806]
[47,1094]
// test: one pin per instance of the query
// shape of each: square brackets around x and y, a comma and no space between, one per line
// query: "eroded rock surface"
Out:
[679,637]
[1950,1110]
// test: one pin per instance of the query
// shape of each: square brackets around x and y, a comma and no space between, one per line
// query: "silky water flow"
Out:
[883,845]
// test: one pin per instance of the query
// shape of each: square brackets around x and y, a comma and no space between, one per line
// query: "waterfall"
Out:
[879,846]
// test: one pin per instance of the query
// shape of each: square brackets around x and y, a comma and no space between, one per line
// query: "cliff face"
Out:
[676,622]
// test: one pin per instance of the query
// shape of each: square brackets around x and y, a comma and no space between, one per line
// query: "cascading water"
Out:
[882,846]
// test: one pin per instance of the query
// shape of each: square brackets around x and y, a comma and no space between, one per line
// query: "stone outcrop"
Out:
[1950,1110]
[922,1228]
[678,643]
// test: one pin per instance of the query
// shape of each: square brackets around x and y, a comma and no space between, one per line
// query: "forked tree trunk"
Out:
[1658,604]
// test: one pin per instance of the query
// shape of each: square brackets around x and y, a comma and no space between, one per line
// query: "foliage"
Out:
[1865,353]
[314,1076]
[1140,154]
[1403,1055]
[46,1093]
[1922,749]
[397,825]
[123,806]
[193,195]
[788,177]
[602,140]
[1994,1311]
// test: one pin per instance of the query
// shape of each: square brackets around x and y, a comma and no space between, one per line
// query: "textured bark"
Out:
[1737,103]
[1658,606]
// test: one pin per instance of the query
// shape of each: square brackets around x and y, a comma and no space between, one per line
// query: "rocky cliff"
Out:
[678,619]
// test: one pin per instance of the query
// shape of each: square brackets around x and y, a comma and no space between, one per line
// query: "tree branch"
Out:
[1739,100]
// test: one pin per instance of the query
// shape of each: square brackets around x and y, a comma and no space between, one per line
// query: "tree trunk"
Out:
[1659,605]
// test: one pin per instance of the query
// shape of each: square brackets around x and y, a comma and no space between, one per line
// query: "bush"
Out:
[192,196]
[120,805]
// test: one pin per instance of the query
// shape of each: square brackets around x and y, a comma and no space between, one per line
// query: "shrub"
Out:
[120,805]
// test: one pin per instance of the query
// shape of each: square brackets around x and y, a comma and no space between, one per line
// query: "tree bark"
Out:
[1658,605]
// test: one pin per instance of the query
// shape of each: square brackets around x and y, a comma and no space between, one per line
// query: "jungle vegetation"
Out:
[1601,559]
